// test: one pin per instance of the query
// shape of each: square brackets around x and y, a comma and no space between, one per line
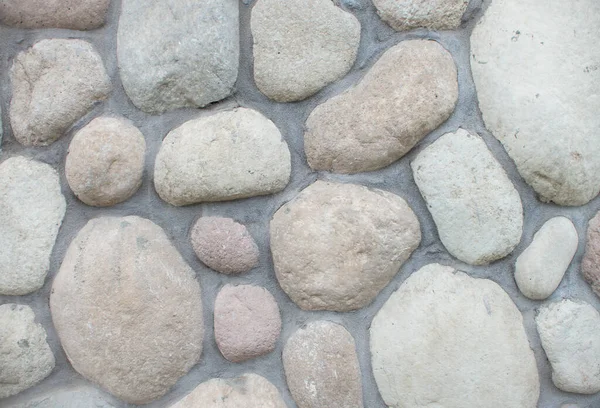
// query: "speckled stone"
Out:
[404,15]
[73,14]
[590,264]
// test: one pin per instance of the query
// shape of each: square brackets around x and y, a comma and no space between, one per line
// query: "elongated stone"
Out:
[433,14]
[73,14]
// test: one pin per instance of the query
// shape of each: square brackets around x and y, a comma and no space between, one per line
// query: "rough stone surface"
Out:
[321,367]
[476,208]
[239,154]
[590,265]
[178,53]
[372,125]
[249,390]
[127,308]
[541,267]
[32,208]
[54,83]
[224,245]
[73,14]
[535,67]
[25,357]
[570,335]
[105,162]
[247,322]
[301,46]
[445,339]
[433,14]
[83,397]
[335,246]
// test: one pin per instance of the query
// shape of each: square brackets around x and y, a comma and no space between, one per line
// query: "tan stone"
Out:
[590,264]
[433,14]
[73,14]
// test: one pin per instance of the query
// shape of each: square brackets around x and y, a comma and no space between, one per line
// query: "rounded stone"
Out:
[444,336]
[590,264]
[32,208]
[335,246]
[373,124]
[538,86]
[249,390]
[404,15]
[71,14]
[476,208]
[570,335]
[54,83]
[239,153]
[80,397]
[105,162]
[224,245]
[542,265]
[301,46]
[127,308]
[321,367]
[25,357]
[247,322]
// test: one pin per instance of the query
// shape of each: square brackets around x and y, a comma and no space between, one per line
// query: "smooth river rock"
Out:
[127,308]
[374,124]
[335,246]
[590,264]
[476,208]
[537,75]
[73,14]
[238,153]
[447,340]
[80,397]
[32,208]
[404,15]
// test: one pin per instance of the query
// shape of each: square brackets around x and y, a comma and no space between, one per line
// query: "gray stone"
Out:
[81,397]
[476,208]
[590,264]
[73,14]
[32,208]
[447,340]
[335,246]
[127,308]
[239,153]
[178,53]
[433,14]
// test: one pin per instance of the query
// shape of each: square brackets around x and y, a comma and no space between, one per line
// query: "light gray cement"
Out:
[256,212]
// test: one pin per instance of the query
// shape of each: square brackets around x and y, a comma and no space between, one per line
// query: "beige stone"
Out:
[73,14]
[433,14]
[590,264]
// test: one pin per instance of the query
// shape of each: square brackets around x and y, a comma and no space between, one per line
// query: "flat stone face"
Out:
[73,14]
[433,14]
[247,322]
[373,124]
[476,208]
[570,335]
[25,357]
[224,245]
[335,246]
[239,154]
[105,162]
[178,53]
[444,336]
[321,367]
[249,390]
[32,208]
[127,308]
[590,264]
[54,83]
[301,46]
[538,87]
[82,397]
[541,267]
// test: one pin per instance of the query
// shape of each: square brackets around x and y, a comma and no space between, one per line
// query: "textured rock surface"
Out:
[590,265]
[224,245]
[32,208]
[247,322]
[446,339]
[541,267]
[105,162]
[249,390]
[570,335]
[73,14]
[301,46]
[335,246]
[25,357]
[239,154]
[433,14]
[321,367]
[178,53]
[538,86]
[475,206]
[54,83]
[83,397]
[121,284]
[372,125]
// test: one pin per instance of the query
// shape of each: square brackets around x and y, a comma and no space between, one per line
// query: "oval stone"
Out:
[80,397]
[71,14]
[404,15]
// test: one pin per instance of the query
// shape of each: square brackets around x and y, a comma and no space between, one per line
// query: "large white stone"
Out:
[80,397]
[433,14]
[537,72]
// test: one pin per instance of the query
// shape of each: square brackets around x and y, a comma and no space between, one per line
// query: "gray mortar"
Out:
[256,212]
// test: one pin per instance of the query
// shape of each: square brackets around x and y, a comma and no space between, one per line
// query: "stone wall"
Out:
[357,204]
